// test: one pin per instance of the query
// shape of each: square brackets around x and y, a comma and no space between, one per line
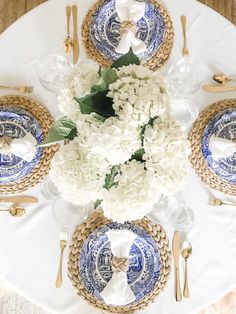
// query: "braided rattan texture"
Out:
[196,157]
[156,61]
[81,234]
[45,121]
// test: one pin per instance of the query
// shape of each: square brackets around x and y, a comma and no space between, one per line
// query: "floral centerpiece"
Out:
[125,150]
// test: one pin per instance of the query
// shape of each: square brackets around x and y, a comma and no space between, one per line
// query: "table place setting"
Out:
[114,165]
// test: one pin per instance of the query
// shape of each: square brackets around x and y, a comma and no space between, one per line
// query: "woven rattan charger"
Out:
[45,121]
[196,157]
[156,61]
[81,234]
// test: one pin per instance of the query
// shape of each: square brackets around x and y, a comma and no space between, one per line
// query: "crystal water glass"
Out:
[185,111]
[186,76]
[52,71]
[173,210]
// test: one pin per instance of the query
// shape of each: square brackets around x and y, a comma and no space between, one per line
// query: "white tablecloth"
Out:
[29,249]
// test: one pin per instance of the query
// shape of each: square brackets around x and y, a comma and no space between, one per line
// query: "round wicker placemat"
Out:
[81,234]
[199,164]
[156,61]
[45,121]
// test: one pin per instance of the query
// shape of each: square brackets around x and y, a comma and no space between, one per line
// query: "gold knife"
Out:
[218,88]
[176,252]
[75,35]
[19,199]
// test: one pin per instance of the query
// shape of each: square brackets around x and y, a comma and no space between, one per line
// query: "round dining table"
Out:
[29,246]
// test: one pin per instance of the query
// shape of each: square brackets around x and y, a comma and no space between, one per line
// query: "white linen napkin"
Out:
[117,291]
[221,147]
[24,147]
[130,11]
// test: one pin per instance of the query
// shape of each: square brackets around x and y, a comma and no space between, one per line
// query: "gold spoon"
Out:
[15,211]
[186,251]
[222,78]
[68,43]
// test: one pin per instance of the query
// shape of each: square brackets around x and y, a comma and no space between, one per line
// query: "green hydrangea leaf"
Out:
[98,103]
[63,129]
[110,178]
[127,59]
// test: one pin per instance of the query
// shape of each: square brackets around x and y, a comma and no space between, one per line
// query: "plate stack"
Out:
[91,269]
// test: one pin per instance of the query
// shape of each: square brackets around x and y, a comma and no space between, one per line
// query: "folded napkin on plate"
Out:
[117,291]
[221,147]
[129,13]
[24,147]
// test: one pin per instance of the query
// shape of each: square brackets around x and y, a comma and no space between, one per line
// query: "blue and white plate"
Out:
[105,30]
[16,122]
[222,125]
[96,256]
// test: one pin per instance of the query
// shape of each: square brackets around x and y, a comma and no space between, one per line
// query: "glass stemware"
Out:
[173,210]
[186,76]
[52,71]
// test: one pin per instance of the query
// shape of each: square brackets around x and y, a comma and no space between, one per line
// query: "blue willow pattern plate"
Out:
[16,122]
[105,30]
[96,256]
[221,125]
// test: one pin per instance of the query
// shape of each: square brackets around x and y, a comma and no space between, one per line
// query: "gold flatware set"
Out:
[186,251]
[72,44]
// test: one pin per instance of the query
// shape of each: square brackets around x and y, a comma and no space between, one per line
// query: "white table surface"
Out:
[29,250]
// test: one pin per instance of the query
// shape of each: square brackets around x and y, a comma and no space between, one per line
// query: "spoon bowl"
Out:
[186,252]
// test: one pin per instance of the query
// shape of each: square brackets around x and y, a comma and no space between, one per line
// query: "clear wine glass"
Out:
[173,210]
[52,71]
[186,76]
[185,111]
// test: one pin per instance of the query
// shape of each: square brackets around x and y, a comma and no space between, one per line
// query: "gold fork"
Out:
[185,51]
[63,243]
[21,89]
[218,202]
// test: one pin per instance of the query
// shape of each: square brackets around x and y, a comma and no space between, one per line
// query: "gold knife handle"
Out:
[68,14]
[184,23]
[59,274]
[218,89]
[177,285]
[19,199]
[186,287]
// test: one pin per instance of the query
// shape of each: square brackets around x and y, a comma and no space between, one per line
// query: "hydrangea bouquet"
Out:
[125,150]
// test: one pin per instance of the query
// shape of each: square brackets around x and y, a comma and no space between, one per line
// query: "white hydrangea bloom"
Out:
[79,176]
[112,139]
[139,94]
[166,154]
[134,195]
[77,84]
